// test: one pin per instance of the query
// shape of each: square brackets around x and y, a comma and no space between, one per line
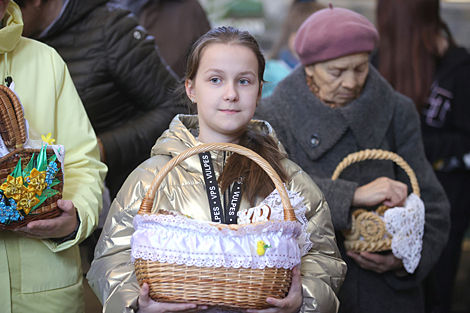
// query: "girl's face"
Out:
[225,89]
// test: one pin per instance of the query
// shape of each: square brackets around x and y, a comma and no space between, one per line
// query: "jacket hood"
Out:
[74,12]
[182,135]
[12,28]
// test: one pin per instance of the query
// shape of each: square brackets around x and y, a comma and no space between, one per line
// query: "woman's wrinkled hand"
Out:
[58,227]
[147,305]
[290,304]
[376,262]
[383,190]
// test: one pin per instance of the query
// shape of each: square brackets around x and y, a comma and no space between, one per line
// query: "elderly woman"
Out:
[336,104]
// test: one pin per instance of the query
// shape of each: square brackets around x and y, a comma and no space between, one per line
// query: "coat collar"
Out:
[318,127]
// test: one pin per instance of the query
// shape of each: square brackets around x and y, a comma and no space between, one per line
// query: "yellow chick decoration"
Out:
[261,247]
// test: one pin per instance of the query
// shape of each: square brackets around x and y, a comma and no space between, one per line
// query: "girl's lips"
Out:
[229,111]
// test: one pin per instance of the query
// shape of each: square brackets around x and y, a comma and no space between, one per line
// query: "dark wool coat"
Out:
[318,137]
[122,80]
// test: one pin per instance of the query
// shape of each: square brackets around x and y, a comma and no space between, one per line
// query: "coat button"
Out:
[137,35]
[314,141]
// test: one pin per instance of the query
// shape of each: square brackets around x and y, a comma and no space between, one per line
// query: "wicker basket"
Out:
[232,288]
[13,132]
[368,231]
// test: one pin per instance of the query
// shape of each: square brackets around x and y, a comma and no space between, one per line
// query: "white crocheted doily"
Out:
[274,204]
[406,225]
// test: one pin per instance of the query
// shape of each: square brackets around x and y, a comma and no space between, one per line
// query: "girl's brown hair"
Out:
[255,181]
[409,31]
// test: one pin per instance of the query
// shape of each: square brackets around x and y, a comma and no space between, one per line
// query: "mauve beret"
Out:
[332,33]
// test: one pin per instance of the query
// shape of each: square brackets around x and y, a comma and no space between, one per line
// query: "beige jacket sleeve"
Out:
[322,269]
[112,276]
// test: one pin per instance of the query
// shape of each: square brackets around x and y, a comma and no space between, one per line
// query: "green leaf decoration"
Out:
[52,159]
[27,170]
[54,182]
[42,159]
[47,193]
[41,198]
[17,172]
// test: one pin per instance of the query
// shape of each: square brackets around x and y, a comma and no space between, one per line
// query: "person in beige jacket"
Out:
[224,80]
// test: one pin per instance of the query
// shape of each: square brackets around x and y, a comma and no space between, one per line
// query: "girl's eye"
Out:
[244,81]
[215,80]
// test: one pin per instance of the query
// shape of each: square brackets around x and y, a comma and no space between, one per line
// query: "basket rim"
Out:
[147,202]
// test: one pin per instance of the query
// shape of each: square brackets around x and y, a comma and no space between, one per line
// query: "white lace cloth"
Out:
[274,204]
[406,225]
[176,239]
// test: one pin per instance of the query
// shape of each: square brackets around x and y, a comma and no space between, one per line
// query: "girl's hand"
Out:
[384,190]
[147,305]
[376,262]
[58,227]
[290,304]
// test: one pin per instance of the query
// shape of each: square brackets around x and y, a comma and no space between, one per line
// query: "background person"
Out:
[224,81]
[336,104]
[282,58]
[175,25]
[40,268]
[420,59]
[122,81]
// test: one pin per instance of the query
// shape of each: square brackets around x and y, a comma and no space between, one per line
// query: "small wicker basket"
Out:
[231,288]
[368,230]
[13,132]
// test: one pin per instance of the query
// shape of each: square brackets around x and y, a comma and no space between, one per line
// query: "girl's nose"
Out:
[230,93]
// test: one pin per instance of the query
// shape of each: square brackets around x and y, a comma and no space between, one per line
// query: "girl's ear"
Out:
[190,90]
[260,92]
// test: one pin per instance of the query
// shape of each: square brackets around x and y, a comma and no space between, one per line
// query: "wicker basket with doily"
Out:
[231,287]
[368,230]
[13,132]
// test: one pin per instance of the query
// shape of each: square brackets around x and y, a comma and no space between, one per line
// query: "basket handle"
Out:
[147,202]
[377,154]
[15,114]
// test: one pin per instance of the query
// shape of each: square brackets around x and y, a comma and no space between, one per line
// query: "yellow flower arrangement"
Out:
[36,181]
[13,187]
[27,201]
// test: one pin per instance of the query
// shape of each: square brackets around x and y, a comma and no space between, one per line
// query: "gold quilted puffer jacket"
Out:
[112,275]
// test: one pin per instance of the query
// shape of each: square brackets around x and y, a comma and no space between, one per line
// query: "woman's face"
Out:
[340,80]
[226,89]
[3,7]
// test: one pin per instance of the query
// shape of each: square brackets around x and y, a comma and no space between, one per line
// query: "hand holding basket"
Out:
[26,193]
[223,286]
[368,229]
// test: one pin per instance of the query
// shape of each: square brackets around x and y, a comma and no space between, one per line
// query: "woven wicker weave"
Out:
[368,231]
[13,132]
[231,288]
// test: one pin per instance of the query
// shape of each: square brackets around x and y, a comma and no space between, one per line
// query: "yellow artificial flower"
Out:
[47,139]
[36,181]
[13,187]
[27,202]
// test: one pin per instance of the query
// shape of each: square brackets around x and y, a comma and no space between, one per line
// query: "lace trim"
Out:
[180,240]
[406,225]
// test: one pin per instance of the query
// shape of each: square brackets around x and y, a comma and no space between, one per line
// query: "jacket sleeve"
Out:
[112,276]
[455,142]
[437,207]
[145,79]
[84,173]
[322,269]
